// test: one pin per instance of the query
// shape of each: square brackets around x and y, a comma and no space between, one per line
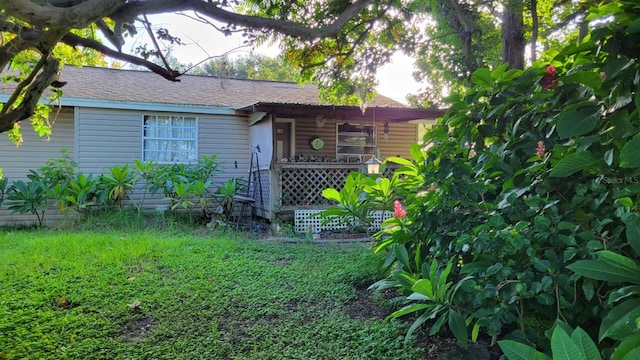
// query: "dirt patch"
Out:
[138,329]
[365,306]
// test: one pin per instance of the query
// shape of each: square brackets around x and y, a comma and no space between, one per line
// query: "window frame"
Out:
[155,116]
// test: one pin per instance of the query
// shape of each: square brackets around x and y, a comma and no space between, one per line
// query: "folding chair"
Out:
[242,204]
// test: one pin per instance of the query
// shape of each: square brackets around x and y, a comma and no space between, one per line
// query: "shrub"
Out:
[530,171]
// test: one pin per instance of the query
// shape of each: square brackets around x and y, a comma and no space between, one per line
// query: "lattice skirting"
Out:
[305,223]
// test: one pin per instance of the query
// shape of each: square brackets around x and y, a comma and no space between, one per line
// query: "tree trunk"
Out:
[534,29]
[513,44]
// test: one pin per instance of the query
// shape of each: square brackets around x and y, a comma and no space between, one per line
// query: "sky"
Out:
[201,41]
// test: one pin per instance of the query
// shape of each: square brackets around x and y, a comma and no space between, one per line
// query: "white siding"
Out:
[34,153]
[114,137]
[106,137]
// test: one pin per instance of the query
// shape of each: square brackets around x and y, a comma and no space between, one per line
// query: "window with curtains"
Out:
[169,139]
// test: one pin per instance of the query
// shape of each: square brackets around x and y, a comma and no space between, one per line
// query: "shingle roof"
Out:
[145,86]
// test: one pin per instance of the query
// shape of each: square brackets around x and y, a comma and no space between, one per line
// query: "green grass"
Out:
[75,295]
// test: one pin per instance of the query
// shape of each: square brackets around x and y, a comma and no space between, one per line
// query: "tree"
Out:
[327,40]
[458,37]
[252,66]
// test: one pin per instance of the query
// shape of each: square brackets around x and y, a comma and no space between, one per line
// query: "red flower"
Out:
[540,149]
[550,78]
[398,210]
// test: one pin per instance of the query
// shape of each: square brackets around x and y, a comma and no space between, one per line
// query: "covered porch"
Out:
[300,150]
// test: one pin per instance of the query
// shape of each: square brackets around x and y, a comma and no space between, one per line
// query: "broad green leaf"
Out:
[632,231]
[620,322]
[408,310]
[572,164]
[586,345]
[633,354]
[331,194]
[416,153]
[402,255]
[626,346]
[630,153]
[514,350]
[416,324]
[576,122]
[638,98]
[563,348]
[482,76]
[424,287]
[588,78]
[458,327]
[600,270]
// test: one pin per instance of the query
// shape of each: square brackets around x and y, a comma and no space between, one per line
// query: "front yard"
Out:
[169,295]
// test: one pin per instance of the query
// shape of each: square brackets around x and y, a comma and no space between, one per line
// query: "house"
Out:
[111,117]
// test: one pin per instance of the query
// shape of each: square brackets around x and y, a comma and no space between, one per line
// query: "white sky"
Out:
[395,79]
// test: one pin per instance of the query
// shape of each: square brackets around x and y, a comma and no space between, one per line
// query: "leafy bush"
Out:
[118,183]
[530,171]
[28,197]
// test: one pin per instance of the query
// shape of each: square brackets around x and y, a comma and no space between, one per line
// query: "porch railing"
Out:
[301,184]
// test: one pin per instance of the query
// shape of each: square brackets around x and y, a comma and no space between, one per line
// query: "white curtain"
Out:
[170,139]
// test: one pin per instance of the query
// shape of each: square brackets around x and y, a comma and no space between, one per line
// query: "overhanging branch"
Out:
[75,40]
[133,9]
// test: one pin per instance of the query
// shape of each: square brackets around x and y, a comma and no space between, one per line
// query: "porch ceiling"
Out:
[391,114]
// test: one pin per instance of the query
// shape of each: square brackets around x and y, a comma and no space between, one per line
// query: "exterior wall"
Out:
[114,137]
[34,153]
[98,139]
[397,143]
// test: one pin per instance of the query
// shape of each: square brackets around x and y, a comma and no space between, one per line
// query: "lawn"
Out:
[170,295]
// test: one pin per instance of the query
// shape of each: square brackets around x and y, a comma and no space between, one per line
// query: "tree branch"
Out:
[75,40]
[26,109]
[132,9]
[77,15]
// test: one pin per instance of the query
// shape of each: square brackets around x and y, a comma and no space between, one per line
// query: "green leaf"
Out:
[600,270]
[576,122]
[588,78]
[402,255]
[424,287]
[620,322]
[408,310]
[586,345]
[626,346]
[563,348]
[572,164]
[482,76]
[458,327]
[514,350]
[630,153]
[633,354]
[632,231]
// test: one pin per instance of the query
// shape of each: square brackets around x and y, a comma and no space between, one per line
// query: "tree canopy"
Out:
[337,44]
[335,35]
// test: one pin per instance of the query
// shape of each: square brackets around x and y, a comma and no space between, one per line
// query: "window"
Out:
[354,142]
[170,139]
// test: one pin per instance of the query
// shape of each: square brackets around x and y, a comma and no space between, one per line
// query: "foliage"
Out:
[352,207]
[572,344]
[186,185]
[199,297]
[530,171]
[252,66]
[459,37]
[429,294]
[118,182]
[28,197]
[60,170]
[4,186]
[81,193]
[145,170]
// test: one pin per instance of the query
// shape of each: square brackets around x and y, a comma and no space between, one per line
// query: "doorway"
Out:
[283,140]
